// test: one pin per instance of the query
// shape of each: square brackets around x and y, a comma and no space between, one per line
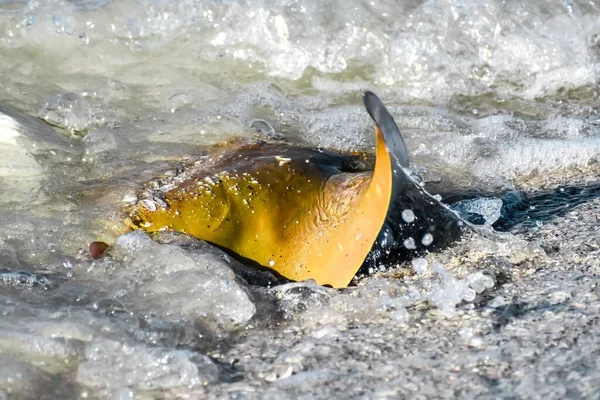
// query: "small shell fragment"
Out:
[96,249]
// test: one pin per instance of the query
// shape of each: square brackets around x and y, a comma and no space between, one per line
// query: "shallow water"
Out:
[497,101]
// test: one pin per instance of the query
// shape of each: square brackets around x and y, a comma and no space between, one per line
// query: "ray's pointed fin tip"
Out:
[373,105]
[384,120]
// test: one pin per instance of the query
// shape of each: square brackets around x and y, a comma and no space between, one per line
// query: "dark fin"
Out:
[389,129]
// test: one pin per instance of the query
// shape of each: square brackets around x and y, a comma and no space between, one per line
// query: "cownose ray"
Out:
[303,212]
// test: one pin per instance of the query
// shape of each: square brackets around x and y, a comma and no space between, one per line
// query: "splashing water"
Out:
[497,101]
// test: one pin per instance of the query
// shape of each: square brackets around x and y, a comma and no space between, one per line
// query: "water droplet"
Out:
[408,216]
[109,307]
[264,128]
[409,243]
[271,262]
[178,101]
[427,239]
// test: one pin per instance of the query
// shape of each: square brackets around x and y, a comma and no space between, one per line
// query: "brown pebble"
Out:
[97,249]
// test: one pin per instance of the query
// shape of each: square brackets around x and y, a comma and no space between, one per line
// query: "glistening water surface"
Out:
[498,104]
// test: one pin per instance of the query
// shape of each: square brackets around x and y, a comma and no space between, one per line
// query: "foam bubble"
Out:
[419,265]
[408,216]
[409,243]
[427,239]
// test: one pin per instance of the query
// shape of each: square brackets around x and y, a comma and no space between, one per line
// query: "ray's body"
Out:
[304,212]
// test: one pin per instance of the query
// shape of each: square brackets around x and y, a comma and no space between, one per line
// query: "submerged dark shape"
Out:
[303,212]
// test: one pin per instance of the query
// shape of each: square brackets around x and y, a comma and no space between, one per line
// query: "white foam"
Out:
[173,282]
[19,171]
[115,364]
[9,130]
[529,155]
[419,265]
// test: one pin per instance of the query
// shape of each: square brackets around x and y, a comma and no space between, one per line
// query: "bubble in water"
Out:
[468,294]
[419,265]
[408,216]
[410,243]
[266,129]
[24,278]
[479,281]
[427,239]
[178,101]
[394,306]
[62,26]
[109,307]
[452,291]
[74,112]
[99,141]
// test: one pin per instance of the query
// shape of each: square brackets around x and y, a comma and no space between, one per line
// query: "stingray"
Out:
[303,212]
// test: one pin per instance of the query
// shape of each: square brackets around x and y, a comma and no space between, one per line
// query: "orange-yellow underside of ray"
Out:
[298,221]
